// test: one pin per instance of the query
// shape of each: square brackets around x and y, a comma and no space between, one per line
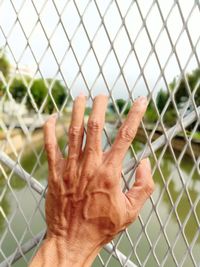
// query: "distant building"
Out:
[21,70]
[12,108]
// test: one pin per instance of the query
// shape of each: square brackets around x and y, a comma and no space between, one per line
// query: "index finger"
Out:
[50,141]
[76,128]
[128,131]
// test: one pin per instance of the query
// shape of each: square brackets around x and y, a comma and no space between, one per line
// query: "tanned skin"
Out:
[85,206]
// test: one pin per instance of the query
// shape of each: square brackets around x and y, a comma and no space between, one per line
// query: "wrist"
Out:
[64,253]
[55,251]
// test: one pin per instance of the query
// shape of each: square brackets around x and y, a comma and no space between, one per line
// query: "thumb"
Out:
[142,188]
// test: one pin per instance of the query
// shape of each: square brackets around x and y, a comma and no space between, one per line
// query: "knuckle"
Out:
[49,147]
[133,215]
[51,152]
[90,150]
[74,131]
[127,134]
[110,173]
[112,168]
[69,172]
[94,125]
[138,107]
[108,183]
[46,126]
[149,188]
[73,156]
[49,122]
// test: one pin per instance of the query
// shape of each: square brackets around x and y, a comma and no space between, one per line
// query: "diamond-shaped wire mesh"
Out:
[51,50]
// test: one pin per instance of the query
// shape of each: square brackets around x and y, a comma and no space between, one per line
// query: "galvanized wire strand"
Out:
[18,169]
[129,167]
[150,148]
[160,141]
[25,248]
[33,242]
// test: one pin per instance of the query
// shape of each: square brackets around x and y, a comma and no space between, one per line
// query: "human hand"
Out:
[85,205]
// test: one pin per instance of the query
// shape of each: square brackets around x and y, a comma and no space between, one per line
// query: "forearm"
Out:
[55,252]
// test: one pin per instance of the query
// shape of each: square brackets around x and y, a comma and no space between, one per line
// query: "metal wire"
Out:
[128,52]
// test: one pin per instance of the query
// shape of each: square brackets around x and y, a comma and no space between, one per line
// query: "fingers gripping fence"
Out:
[124,49]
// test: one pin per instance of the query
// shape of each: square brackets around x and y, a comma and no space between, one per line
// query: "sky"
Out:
[49,39]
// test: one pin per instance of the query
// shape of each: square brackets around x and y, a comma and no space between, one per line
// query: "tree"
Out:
[4,69]
[2,89]
[161,100]
[18,89]
[169,116]
[40,91]
[151,115]
[4,64]
[59,95]
[183,92]
[120,104]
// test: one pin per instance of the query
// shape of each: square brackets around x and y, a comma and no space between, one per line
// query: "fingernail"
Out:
[149,162]
[52,116]
[81,93]
[142,100]
[55,115]
[105,96]
[102,95]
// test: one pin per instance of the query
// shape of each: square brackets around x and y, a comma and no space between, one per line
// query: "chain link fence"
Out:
[50,50]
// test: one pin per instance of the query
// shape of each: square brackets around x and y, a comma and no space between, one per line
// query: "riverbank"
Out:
[16,139]
[178,142]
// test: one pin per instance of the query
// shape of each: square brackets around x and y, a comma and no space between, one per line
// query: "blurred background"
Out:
[52,50]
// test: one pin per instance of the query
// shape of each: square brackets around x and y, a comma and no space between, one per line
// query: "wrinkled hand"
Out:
[85,205]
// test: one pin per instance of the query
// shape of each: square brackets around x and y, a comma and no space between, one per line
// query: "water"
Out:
[144,252]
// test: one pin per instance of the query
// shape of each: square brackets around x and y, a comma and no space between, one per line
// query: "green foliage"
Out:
[161,100]
[4,64]
[2,89]
[88,110]
[40,91]
[5,69]
[196,135]
[5,206]
[182,94]
[151,114]
[193,80]
[120,104]
[58,93]
[170,116]
[18,89]
[181,97]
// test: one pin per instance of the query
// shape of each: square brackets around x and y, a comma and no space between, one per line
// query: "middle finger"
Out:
[95,125]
